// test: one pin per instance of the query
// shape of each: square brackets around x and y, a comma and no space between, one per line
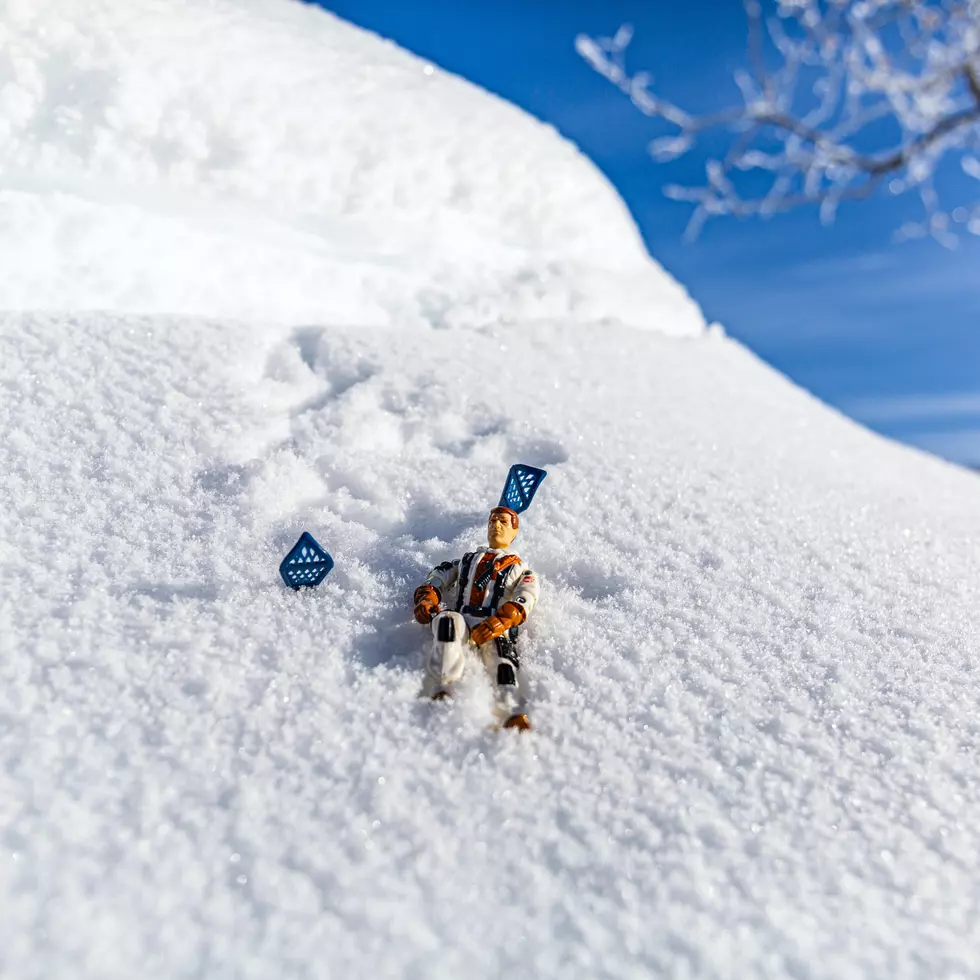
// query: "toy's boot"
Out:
[446,660]
[508,702]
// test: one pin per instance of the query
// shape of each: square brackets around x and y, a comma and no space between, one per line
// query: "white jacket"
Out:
[484,580]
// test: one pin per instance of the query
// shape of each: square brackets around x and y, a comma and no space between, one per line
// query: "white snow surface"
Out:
[753,671]
[264,161]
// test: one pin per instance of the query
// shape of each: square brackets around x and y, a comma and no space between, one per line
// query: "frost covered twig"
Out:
[840,98]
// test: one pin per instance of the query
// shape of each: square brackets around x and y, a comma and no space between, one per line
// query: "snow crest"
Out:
[264,160]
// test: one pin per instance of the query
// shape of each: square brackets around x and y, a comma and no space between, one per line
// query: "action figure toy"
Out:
[495,592]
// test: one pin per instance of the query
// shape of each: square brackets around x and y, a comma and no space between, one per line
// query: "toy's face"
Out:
[500,529]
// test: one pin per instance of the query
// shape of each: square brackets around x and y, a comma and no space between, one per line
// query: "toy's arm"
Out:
[523,595]
[525,592]
[444,576]
[437,583]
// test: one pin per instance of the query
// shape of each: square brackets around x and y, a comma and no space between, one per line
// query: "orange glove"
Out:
[510,614]
[427,599]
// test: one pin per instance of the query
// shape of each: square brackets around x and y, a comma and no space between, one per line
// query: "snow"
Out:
[264,161]
[753,671]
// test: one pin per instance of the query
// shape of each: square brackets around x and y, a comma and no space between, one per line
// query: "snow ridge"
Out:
[265,161]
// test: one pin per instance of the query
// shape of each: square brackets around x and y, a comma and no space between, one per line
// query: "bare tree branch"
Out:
[844,66]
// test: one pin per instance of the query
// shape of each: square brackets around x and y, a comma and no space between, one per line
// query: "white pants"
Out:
[451,646]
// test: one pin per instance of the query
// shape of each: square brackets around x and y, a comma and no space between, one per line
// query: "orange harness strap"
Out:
[481,578]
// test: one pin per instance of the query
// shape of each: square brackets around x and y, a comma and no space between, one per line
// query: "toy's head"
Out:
[502,527]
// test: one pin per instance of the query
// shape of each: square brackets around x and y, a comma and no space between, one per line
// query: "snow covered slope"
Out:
[754,667]
[262,160]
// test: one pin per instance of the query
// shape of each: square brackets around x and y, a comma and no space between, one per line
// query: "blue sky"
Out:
[886,332]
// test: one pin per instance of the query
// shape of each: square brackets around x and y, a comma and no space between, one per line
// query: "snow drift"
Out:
[293,169]
[753,670]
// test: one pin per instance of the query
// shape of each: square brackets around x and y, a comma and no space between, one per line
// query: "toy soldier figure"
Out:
[494,594]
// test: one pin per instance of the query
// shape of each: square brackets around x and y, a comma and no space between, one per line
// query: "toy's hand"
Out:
[484,632]
[427,599]
[508,615]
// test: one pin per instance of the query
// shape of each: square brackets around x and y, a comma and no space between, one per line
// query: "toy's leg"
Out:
[503,663]
[445,661]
